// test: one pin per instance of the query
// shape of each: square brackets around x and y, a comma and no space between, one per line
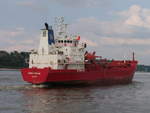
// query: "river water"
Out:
[17,96]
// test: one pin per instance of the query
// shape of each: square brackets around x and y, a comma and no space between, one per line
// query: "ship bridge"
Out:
[59,52]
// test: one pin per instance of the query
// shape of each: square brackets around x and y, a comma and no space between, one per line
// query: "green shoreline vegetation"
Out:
[143,68]
[13,60]
[18,60]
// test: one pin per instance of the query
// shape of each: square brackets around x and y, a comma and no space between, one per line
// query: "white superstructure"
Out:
[63,52]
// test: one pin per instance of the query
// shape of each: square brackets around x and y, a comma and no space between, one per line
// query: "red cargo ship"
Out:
[64,60]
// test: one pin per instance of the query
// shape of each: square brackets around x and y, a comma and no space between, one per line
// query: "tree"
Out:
[13,59]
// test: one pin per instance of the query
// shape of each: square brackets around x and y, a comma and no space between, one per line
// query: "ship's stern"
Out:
[35,75]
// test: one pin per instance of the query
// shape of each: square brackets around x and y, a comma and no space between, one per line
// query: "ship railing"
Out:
[70,63]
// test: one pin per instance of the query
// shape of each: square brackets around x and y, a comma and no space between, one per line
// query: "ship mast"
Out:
[133,56]
[60,27]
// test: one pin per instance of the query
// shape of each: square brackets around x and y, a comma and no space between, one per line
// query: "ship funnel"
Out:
[49,33]
[46,25]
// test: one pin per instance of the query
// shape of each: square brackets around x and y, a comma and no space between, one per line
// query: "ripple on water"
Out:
[20,97]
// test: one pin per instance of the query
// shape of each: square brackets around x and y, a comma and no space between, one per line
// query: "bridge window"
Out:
[44,33]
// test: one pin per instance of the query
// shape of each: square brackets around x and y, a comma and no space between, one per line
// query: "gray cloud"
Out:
[18,39]
[36,5]
[83,3]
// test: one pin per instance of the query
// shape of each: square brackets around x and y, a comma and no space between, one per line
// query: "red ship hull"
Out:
[112,73]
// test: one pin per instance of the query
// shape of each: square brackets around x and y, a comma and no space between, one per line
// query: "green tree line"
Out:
[143,68]
[13,59]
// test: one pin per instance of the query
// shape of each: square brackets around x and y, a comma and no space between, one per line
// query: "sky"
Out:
[112,28]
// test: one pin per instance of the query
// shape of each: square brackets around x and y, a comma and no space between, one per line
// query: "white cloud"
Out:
[124,41]
[93,29]
[137,16]
[124,30]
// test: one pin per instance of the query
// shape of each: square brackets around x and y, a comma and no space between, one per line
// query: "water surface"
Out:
[17,96]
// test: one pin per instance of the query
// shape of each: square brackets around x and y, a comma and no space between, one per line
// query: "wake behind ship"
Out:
[64,59]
